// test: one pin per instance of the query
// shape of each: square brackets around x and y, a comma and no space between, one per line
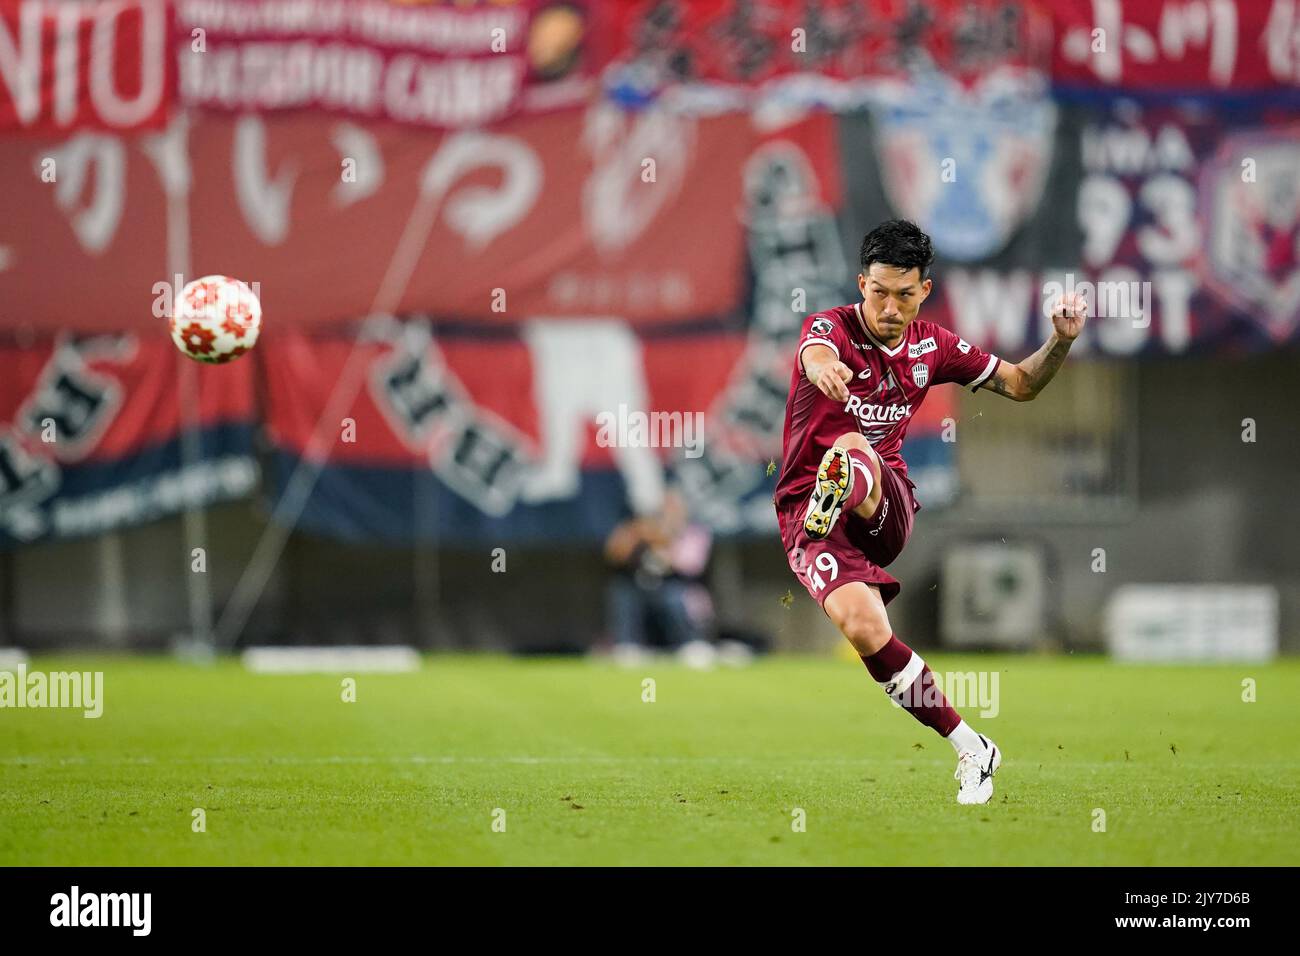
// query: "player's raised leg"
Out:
[859,612]
[848,479]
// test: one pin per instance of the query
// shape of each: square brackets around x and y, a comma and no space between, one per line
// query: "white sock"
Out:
[963,737]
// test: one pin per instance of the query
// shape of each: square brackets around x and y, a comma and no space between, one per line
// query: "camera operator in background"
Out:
[659,564]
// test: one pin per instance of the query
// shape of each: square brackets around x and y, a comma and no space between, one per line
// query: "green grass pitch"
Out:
[711,772]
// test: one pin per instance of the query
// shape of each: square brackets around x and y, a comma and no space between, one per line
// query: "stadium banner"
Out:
[1135,47]
[437,63]
[85,66]
[729,54]
[1176,222]
[573,213]
[595,423]
[90,436]
[473,438]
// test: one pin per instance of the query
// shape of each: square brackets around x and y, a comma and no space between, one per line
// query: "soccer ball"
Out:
[215,319]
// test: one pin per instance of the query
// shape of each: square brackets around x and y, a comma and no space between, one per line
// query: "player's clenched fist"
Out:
[829,374]
[1069,313]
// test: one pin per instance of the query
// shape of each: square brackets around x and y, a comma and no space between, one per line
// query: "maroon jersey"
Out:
[887,389]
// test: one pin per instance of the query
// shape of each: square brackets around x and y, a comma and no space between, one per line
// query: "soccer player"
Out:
[843,500]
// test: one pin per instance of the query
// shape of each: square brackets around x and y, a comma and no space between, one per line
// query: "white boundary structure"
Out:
[347,659]
[1193,623]
[13,657]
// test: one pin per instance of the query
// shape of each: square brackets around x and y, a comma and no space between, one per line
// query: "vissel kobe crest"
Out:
[920,374]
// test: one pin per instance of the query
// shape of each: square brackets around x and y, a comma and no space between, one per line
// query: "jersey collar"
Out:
[862,321]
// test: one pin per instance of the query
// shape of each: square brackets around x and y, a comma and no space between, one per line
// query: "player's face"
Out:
[891,297]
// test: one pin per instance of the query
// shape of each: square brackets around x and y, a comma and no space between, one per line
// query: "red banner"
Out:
[1176,45]
[85,65]
[577,213]
[433,63]
[682,373]
[89,434]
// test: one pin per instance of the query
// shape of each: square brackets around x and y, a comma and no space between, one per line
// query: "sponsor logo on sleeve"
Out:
[822,326]
[963,346]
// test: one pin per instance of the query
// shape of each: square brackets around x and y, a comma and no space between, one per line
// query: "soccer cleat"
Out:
[975,773]
[834,479]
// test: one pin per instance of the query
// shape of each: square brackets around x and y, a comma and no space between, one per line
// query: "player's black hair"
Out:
[900,243]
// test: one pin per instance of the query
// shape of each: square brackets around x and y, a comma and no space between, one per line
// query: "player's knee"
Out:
[865,631]
[854,440]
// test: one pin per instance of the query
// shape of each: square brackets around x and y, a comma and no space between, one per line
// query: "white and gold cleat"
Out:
[834,479]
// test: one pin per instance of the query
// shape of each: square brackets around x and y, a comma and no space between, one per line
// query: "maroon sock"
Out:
[907,679]
[860,465]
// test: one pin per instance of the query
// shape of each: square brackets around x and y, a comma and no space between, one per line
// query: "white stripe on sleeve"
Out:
[826,342]
[983,376]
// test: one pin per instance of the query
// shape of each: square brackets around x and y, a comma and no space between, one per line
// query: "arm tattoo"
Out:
[1045,363]
[996,384]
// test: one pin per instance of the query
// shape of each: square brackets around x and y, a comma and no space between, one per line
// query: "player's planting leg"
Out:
[859,613]
[848,479]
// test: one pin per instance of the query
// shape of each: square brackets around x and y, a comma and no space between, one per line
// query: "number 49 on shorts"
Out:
[823,562]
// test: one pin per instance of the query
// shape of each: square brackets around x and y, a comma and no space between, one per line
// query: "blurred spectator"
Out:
[659,563]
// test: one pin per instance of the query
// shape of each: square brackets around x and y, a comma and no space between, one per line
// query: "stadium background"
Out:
[469,254]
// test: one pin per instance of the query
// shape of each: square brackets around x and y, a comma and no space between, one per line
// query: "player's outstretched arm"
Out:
[825,370]
[1022,382]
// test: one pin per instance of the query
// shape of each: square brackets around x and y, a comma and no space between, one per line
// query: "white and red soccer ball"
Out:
[215,319]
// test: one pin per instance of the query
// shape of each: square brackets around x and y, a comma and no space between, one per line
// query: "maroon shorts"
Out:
[857,549]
